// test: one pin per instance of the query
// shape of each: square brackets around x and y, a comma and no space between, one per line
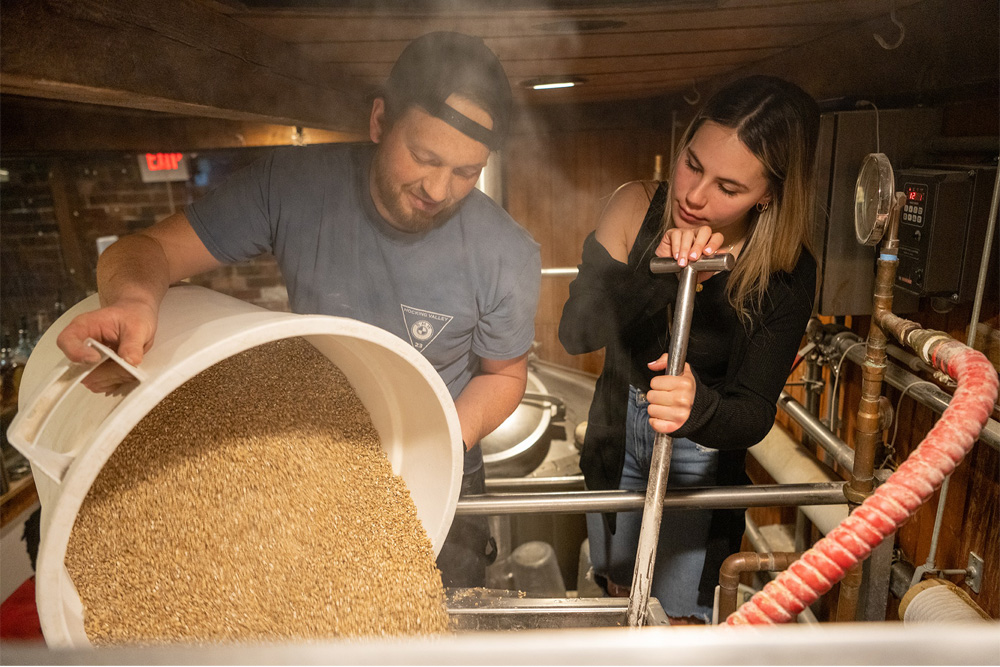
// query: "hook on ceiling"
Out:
[697,95]
[902,30]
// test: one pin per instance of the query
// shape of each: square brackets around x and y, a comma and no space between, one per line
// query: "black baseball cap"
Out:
[436,65]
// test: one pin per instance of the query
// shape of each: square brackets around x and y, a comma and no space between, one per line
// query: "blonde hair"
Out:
[779,123]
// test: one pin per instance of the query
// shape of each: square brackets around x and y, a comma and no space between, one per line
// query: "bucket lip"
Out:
[116,426]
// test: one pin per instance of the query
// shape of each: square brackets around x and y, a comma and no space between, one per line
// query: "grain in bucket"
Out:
[254,503]
[409,407]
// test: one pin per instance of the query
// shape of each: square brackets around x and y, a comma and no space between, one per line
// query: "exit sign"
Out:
[163,167]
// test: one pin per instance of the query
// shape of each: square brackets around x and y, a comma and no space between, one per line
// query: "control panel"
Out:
[942,229]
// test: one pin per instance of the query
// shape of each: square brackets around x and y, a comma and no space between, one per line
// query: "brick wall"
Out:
[32,271]
[53,208]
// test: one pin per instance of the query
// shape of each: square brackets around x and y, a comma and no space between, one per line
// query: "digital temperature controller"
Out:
[942,230]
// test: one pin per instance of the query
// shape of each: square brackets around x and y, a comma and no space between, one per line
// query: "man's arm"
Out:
[133,274]
[491,397]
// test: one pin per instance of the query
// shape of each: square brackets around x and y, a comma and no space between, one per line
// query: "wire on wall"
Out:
[891,447]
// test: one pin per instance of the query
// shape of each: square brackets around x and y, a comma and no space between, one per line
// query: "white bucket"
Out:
[68,433]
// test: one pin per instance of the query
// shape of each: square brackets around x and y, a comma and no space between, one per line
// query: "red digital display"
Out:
[164,161]
[915,195]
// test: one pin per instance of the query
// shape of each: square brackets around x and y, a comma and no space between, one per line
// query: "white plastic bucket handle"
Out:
[29,423]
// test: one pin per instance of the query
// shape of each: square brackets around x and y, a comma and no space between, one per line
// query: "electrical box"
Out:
[942,230]
[847,268]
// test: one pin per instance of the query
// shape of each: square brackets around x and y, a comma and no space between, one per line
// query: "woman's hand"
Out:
[670,397]
[688,245]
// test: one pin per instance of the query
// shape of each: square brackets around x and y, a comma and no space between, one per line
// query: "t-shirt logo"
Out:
[423,326]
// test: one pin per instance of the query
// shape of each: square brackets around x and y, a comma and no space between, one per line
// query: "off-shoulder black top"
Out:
[740,369]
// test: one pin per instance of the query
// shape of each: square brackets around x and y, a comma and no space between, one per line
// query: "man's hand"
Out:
[133,275]
[128,327]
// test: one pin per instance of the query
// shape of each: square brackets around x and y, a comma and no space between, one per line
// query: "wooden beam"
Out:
[177,57]
[77,267]
[594,65]
[543,47]
[33,126]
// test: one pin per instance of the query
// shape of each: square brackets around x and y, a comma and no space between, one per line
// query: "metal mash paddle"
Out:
[652,512]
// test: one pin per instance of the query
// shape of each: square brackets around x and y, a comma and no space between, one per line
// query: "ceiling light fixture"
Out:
[558,84]
[552,82]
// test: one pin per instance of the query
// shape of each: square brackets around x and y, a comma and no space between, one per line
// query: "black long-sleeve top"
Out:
[739,368]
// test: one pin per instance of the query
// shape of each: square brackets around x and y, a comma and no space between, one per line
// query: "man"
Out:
[392,233]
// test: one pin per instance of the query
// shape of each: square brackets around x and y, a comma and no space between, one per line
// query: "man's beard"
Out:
[412,220]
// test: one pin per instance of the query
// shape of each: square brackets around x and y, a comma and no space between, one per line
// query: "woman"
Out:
[741,184]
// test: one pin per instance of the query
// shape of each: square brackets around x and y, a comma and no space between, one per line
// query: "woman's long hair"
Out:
[779,123]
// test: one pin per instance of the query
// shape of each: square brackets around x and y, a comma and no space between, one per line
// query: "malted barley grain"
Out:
[254,503]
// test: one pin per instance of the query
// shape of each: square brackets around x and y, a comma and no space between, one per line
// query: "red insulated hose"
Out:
[896,500]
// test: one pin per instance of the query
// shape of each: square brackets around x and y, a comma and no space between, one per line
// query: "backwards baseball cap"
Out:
[439,64]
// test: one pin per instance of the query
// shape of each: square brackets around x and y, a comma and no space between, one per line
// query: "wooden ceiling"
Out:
[617,49]
[312,62]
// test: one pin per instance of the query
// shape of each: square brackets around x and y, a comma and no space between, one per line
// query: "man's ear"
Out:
[376,124]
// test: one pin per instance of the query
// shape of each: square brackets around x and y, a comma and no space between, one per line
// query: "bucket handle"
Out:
[30,422]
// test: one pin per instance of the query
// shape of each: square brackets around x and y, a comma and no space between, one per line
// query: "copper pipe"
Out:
[868,431]
[850,587]
[926,342]
[747,561]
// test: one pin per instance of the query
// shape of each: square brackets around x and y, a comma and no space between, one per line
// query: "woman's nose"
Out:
[697,195]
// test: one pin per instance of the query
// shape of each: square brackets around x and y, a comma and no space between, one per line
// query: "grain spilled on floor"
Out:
[254,503]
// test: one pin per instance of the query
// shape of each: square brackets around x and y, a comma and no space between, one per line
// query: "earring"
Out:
[762,207]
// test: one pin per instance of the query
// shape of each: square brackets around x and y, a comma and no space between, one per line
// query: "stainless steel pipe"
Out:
[566,483]
[817,430]
[723,497]
[721,262]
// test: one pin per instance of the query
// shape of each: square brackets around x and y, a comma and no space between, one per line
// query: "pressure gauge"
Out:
[873,199]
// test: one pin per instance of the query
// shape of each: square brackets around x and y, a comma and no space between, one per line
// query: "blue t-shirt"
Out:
[462,291]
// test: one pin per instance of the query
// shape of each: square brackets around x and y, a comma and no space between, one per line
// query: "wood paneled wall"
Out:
[557,183]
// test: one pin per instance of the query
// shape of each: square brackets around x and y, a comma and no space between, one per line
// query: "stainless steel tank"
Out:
[520,444]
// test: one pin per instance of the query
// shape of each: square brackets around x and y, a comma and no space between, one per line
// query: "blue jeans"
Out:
[680,553]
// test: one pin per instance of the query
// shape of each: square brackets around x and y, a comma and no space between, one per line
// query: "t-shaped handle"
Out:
[723,262]
[688,282]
